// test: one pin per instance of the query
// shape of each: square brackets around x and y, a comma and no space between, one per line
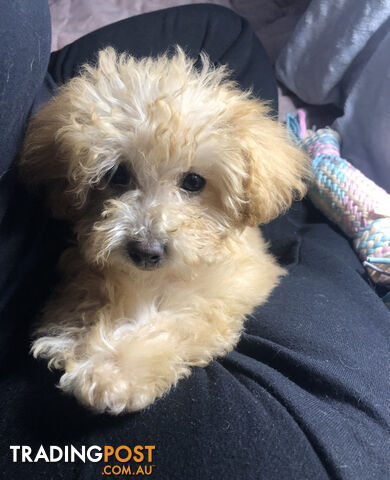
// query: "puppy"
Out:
[164,171]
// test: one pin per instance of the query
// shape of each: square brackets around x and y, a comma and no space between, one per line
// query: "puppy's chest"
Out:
[139,302]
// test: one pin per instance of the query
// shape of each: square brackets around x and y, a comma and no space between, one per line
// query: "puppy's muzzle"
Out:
[146,254]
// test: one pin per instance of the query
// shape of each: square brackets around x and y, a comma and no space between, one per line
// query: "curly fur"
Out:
[124,336]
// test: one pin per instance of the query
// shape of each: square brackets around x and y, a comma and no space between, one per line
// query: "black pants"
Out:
[305,395]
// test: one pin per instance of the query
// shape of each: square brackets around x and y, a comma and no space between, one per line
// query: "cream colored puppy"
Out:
[164,171]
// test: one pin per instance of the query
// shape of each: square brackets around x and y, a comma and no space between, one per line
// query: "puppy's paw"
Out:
[128,378]
[98,384]
[55,349]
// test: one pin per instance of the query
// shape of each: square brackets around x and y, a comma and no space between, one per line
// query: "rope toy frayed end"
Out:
[347,197]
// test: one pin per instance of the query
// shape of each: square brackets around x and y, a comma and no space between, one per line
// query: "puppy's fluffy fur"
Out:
[124,335]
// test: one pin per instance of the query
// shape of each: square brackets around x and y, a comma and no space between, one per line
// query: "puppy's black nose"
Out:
[147,254]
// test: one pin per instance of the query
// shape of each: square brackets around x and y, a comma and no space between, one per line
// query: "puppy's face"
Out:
[157,164]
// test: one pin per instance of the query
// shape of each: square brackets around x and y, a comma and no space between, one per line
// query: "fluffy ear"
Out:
[69,145]
[41,164]
[276,170]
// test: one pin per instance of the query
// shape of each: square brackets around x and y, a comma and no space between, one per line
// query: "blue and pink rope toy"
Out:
[348,198]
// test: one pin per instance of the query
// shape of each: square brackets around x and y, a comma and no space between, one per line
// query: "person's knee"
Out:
[25,16]
[26,36]
[24,55]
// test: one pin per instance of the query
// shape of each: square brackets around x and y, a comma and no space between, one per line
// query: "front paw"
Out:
[129,378]
[55,349]
[98,384]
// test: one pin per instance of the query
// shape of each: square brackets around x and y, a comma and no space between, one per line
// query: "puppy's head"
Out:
[157,163]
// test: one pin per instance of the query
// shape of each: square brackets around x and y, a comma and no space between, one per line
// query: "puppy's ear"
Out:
[69,144]
[276,170]
[41,165]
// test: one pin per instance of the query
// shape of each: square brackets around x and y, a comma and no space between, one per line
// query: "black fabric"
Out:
[305,395]
[26,233]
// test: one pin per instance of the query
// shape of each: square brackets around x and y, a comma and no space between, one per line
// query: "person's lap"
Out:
[303,395]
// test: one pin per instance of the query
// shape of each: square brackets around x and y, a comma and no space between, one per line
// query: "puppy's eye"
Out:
[120,177]
[192,182]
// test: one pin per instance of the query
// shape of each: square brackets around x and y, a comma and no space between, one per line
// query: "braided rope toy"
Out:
[348,198]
